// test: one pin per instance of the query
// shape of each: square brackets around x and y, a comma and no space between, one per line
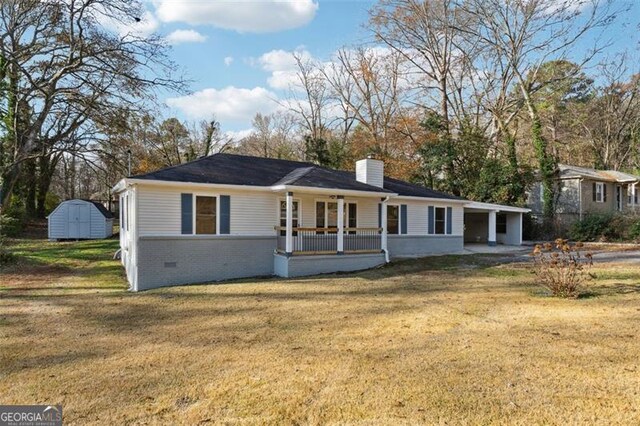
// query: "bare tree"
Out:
[368,84]
[610,123]
[309,97]
[424,32]
[528,34]
[66,69]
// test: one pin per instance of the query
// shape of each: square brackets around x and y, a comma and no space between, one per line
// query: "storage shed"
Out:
[80,220]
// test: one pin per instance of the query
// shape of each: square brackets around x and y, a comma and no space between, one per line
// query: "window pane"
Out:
[501,224]
[283,216]
[332,215]
[283,213]
[320,214]
[352,222]
[205,215]
[440,221]
[392,220]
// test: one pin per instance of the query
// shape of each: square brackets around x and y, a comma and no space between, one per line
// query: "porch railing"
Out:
[325,240]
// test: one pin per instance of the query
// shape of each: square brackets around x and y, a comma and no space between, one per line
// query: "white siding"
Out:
[58,222]
[370,171]
[159,211]
[252,213]
[367,210]
[418,215]
[97,225]
[256,212]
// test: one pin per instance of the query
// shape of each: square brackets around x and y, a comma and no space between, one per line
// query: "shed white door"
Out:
[79,219]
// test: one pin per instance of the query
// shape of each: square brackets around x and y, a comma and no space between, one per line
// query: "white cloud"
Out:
[228,60]
[238,135]
[185,36]
[147,25]
[228,104]
[245,16]
[283,67]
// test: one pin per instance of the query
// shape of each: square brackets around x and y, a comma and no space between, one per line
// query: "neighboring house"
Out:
[232,216]
[584,191]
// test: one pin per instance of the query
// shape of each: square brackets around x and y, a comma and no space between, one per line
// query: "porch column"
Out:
[340,224]
[289,225]
[491,238]
[383,222]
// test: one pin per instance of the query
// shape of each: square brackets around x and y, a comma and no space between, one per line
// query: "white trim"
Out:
[498,207]
[399,219]
[327,200]
[600,186]
[632,195]
[430,199]
[434,220]
[195,195]
[331,191]
[186,185]
[284,200]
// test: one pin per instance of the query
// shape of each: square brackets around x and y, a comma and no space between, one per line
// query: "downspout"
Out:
[386,240]
[580,195]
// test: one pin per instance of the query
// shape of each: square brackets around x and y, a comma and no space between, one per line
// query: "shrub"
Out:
[591,228]
[634,230]
[6,256]
[561,267]
[10,226]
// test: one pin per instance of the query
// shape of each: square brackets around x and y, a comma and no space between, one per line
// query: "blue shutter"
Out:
[403,218]
[449,220]
[225,214]
[379,215]
[187,213]
[431,220]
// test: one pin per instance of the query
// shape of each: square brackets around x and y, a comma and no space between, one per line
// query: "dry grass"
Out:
[449,340]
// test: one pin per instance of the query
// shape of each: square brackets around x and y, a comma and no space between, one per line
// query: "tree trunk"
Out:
[28,187]
[47,167]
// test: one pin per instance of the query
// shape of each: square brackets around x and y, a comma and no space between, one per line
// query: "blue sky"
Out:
[231,50]
[238,52]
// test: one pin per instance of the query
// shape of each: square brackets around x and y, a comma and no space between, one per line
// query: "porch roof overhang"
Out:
[331,191]
[476,206]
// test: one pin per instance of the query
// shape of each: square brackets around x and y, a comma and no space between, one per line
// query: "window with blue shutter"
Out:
[186,201]
[225,214]
[449,220]
[431,220]
[403,218]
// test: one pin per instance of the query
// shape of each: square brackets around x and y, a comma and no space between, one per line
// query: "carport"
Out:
[493,224]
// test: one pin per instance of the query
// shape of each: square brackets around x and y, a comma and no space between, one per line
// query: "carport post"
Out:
[491,238]
[521,230]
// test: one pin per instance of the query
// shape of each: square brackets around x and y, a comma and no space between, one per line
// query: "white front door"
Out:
[79,219]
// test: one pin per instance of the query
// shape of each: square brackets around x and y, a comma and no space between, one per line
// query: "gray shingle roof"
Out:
[242,170]
[567,171]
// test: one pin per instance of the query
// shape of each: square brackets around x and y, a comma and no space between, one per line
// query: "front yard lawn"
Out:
[450,340]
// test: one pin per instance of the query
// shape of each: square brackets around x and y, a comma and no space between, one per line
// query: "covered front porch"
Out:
[340,225]
[320,231]
[492,224]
